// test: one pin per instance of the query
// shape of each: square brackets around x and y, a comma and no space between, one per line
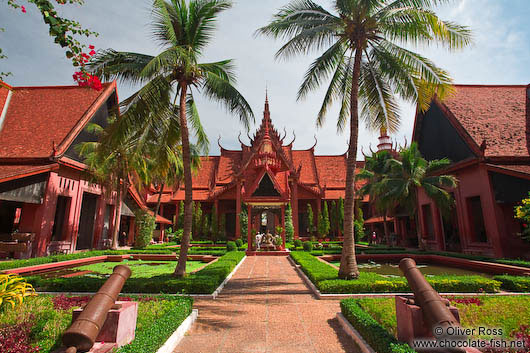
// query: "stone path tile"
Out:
[266,307]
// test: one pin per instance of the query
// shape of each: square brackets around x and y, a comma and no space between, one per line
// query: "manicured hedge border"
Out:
[325,279]
[6,265]
[151,338]
[514,283]
[373,333]
[204,281]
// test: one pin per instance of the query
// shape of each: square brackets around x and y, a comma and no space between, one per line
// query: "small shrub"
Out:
[231,246]
[13,290]
[297,243]
[308,246]
[239,242]
[514,283]
[146,225]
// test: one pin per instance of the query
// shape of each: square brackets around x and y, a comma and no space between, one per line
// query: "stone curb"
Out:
[354,334]
[173,341]
[306,279]
[334,296]
[221,286]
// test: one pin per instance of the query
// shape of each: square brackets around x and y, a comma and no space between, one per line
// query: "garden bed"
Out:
[375,318]
[325,278]
[160,279]
[38,323]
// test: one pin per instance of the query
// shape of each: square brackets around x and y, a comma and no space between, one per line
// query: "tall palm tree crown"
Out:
[183,29]
[366,64]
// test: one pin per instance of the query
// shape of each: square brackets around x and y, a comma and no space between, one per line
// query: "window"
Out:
[428,225]
[476,218]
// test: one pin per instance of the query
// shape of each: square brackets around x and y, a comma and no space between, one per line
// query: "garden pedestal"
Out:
[120,326]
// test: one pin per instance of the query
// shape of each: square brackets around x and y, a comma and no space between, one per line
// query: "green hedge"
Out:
[325,279]
[375,334]
[514,283]
[204,281]
[151,338]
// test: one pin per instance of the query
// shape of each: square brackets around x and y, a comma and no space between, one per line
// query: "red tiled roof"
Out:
[334,194]
[308,172]
[201,178]
[159,218]
[10,172]
[39,117]
[496,114]
[331,170]
[198,195]
[228,162]
[166,198]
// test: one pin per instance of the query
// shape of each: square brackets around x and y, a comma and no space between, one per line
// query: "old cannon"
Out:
[439,320]
[81,335]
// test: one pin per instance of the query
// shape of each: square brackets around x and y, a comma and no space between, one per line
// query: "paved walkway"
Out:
[266,307]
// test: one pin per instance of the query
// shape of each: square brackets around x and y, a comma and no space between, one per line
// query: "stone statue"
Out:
[259,237]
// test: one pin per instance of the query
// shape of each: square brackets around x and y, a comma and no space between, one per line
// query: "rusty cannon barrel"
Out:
[435,310]
[81,335]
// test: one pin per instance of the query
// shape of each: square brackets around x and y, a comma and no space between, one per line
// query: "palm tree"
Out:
[410,173]
[109,165]
[376,168]
[367,65]
[183,29]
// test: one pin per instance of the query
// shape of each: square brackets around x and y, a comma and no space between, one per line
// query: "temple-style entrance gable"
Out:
[264,178]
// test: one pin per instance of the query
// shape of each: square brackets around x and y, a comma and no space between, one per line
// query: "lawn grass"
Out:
[141,269]
[49,321]
[204,281]
[505,312]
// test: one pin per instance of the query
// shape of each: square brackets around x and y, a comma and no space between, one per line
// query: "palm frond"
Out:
[125,67]
[222,91]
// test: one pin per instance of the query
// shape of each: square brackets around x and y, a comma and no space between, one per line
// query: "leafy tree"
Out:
[146,226]
[289,228]
[340,213]
[181,215]
[206,230]
[333,218]
[412,172]
[222,227]
[323,224]
[367,64]
[522,212]
[243,222]
[184,29]
[214,227]
[310,222]
[376,168]
[197,224]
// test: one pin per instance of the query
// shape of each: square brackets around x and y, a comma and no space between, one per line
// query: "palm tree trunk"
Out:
[348,263]
[180,271]
[117,216]
[157,208]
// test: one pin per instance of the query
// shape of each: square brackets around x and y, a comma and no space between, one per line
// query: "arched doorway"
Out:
[267,221]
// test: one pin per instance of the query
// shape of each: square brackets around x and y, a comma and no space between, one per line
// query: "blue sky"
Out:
[500,55]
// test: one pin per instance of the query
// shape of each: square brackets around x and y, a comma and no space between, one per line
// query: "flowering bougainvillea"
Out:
[522,212]
[64,32]
[16,338]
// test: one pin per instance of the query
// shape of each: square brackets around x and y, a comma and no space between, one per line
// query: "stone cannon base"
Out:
[120,326]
